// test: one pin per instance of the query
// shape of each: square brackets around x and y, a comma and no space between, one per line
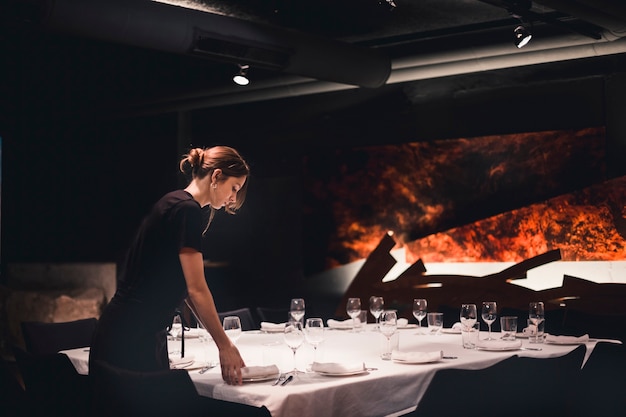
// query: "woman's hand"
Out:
[231,363]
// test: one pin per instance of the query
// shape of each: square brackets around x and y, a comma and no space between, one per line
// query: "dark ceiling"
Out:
[96,54]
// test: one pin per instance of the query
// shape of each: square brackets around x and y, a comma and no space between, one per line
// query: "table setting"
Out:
[303,366]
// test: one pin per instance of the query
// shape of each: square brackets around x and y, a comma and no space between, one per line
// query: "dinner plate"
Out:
[272,330]
[260,378]
[359,372]
[498,348]
[408,326]
[451,331]
[521,335]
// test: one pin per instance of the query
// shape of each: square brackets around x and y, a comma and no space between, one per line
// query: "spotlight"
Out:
[522,36]
[241,78]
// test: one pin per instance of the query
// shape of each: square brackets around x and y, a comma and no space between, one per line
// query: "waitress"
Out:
[164,267]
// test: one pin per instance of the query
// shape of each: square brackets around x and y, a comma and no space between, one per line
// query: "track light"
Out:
[522,35]
[241,78]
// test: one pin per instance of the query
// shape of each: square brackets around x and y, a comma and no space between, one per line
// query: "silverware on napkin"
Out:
[288,380]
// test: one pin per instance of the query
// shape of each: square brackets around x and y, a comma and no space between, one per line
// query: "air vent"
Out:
[239,50]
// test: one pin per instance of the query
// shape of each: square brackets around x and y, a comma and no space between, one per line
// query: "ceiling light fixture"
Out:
[241,78]
[522,35]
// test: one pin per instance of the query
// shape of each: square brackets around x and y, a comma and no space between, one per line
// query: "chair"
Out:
[119,392]
[47,338]
[52,385]
[273,315]
[12,394]
[245,315]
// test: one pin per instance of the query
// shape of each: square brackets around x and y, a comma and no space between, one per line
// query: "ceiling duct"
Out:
[174,29]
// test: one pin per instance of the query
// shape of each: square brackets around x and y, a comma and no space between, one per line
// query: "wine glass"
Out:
[377,305]
[489,314]
[388,326]
[536,315]
[232,327]
[420,307]
[297,309]
[294,336]
[468,315]
[205,340]
[314,333]
[353,307]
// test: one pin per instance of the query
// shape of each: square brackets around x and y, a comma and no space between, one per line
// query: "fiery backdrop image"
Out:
[498,198]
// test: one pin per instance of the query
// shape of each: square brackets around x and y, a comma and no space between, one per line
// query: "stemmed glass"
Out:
[232,327]
[353,308]
[377,305]
[297,309]
[489,314]
[294,336]
[388,326]
[314,333]
[420,308]
[468,315]
[536,315]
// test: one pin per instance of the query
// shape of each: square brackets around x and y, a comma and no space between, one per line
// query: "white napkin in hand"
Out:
[272,327]
[339,324]
[337,368]
[402,322]
[181,363]
[417,357]
[550,338]
[249,372]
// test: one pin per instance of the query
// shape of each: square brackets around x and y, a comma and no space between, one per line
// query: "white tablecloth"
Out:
[389,390]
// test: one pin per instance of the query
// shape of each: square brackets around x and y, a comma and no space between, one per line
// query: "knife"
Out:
[288,380]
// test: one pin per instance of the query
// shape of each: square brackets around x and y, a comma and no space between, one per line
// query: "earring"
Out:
[214,185]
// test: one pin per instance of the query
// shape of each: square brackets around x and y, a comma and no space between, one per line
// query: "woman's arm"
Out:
[201,302]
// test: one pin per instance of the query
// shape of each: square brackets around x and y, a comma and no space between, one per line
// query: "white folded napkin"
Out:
[499,344]
[402,322]
[337,368]
[530,330]
[248,372]
[417,357]
[181,363]
[457,326]
[550,338]
[342,324]
[267,326]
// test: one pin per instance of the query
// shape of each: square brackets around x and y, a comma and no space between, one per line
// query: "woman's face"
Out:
[226,192]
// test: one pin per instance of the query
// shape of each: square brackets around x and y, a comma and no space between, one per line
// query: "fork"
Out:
[210,365]
[280,379]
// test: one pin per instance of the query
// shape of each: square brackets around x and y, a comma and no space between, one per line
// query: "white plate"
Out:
[498,348]
[272,330]
[408,326]
[451,331]
[261,378]
[359,372]
[416,362]
[521,335]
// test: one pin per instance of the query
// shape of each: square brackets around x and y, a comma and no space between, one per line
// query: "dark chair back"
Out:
[273,315]
[119,392]
[12,394]
[245,316]
[53,387]
[47,338]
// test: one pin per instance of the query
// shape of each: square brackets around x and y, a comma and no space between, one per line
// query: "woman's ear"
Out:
[216,175]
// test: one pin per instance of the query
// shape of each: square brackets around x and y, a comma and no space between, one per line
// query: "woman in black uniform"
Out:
[164,266]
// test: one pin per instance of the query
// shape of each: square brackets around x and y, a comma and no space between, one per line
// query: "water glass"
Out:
[435,322]
[508,327]
[469,335]
[296,309]
[536,318]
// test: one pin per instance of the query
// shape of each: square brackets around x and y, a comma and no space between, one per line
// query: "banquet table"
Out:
[386,388]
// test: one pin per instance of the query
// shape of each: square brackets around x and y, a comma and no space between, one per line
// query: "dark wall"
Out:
[74,189]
